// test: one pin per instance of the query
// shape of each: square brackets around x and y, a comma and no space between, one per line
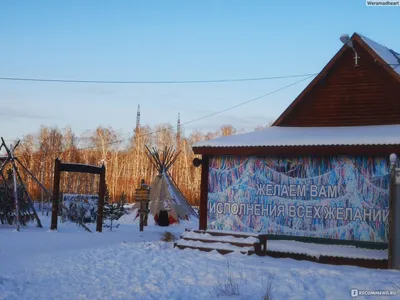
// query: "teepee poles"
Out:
[149,154]
[11,158]
[33,177]
[17,213]
[24,189]
[163,160]
[173,160]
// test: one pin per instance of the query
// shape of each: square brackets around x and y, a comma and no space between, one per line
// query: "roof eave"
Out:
[311,150]
[377,57]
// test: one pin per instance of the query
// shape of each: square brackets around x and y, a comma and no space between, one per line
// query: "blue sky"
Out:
[168,40]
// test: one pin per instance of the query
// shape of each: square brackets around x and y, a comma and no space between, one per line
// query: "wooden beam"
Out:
[204,193]
[79,168]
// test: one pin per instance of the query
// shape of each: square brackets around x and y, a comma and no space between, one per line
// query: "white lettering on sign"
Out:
[297,191]
[299,211]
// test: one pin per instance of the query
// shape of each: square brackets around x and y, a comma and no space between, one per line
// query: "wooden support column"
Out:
[56,195]
[102,191]
[393,237]
[204,192]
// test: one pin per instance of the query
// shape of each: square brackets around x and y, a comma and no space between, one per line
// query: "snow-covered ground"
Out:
[128,264]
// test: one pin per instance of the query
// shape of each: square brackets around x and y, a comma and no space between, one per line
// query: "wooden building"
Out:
[322,170]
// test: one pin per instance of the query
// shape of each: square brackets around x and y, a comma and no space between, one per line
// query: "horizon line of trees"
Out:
[125,167]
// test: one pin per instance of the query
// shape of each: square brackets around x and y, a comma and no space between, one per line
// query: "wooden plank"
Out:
[142,194]
[326,241]
[332,260]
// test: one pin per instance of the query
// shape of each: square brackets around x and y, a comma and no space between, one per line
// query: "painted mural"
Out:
[341,197]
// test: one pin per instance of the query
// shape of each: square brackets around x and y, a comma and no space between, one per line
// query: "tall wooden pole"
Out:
[102,191]
[17,220]
[204,192]
[56,195]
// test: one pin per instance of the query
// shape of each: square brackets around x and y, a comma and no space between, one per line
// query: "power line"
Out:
[248,101]
[191,121]
[151,82]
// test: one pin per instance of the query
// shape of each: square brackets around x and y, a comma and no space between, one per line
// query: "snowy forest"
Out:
[125,158]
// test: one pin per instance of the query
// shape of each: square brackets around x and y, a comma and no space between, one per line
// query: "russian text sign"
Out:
[344,197]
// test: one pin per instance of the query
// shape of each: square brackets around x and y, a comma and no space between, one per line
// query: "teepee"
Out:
[16,205]
[167,203]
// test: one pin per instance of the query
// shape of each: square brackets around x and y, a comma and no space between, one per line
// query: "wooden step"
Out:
[222,242]
[238,244]
[206,249]
[222,233]
[222,237]
[259,240]
[220,247]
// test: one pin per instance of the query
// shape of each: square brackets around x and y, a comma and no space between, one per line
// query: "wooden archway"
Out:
[77,168]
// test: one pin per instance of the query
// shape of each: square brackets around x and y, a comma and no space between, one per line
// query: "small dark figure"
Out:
[163,219]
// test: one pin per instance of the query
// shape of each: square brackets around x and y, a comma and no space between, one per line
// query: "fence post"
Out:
[56,195]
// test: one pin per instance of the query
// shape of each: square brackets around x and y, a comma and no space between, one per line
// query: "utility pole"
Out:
[137,120]
[178,132]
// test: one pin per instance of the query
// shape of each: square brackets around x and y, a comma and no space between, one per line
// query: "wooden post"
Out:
[142,194]
[204,192]
[141,216]
[395,224]
[102,191]
[392,199]
[56,195]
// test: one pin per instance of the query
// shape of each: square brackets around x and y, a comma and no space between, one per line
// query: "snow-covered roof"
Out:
[310,136]
[391,57]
